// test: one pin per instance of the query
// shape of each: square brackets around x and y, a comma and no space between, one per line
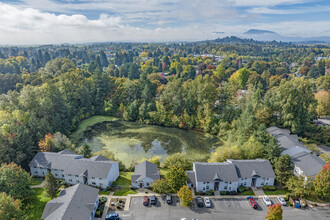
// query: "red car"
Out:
[145,200]
[252,202]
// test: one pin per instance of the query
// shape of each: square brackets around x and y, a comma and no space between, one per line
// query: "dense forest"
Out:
[229,87]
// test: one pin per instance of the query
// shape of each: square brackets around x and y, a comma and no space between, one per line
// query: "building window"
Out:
[262,184]
[266,183]
[267,178]
[225,182]
[100,178]
[225,187]
[147,184]
[36,172]
[76,175]
[93,177]
[93,183]
[69,174]
[101,184]
[245,184]
[77,181]
[55,174]
[70,180]
[203,188]
[207,187]
[62,175]
[207,182]
[43,173]
[229,182]
[203,182]
[229,188]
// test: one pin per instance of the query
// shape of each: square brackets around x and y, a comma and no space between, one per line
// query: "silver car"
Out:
[267,201]
[207,202]
[281,200]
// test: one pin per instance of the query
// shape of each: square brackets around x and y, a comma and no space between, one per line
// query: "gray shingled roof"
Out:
[208,172]
[71,163]
[191,176]
[308,163]
[284,139]
[145,169]
[74,203]
[295,150]
[250,168]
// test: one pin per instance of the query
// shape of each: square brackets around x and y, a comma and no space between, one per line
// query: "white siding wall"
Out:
[94,181]
[245,182]
[223,186]
[146,182]
[73,179]
[113,174]
[94,210]
[37,171]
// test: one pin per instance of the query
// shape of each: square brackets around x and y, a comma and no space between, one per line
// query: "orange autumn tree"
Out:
[45,144]
[274,212]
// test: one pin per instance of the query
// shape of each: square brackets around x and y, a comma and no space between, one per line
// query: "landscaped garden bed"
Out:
[100,208]
[117,204]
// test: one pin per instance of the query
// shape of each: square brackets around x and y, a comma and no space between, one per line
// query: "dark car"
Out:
[112,216]
[169,199]
[200,202]
[253,203]
[145,200]
[153,200]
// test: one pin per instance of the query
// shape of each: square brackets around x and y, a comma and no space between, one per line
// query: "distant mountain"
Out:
[256,31]
[266,35]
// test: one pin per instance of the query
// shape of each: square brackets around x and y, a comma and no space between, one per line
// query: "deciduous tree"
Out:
[185,196]
[274,212]
[15,181]
[322,182]
[10,209]
[176,178]
[161,186]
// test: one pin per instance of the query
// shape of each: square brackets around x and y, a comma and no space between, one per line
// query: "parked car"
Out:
[153,200]
[199,202]
[295,202]
[253,203]
[112,216]
[302,202]
[207,202]
[281,200]
[145,200]
[169,199]
[267,201]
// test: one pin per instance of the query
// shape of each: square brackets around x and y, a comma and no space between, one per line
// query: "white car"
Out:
[207,202]
[281,200]
[267,201]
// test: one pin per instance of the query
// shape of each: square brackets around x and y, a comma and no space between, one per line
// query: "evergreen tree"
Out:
[51,185]
[283,169]
[86,150]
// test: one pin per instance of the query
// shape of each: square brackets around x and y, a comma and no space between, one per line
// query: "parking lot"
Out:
[234,209]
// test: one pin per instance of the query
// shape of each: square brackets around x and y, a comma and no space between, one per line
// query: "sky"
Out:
[26,22]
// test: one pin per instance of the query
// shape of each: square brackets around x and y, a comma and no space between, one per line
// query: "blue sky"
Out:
[76,21]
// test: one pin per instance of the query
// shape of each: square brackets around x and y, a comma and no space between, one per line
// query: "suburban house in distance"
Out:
[78,202]
[73,168]
[229,175]
[305,163]
[145,174]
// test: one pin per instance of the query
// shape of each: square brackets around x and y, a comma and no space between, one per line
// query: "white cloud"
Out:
[267,10]
[26,25]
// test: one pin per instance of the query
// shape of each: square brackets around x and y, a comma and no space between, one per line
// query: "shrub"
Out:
[223,193]
[269,188]
[242,188]
[287,196]
[210,192]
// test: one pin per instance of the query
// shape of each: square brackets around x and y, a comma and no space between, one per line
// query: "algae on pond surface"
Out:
[131,141]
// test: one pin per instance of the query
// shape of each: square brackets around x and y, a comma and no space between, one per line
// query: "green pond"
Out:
[132,141]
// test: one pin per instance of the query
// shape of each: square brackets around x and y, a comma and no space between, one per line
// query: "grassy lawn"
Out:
[106,193]
[34,206]
[277,192]
[89,122]
[35,181]
[124,192]
[124,180]
[247,193]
